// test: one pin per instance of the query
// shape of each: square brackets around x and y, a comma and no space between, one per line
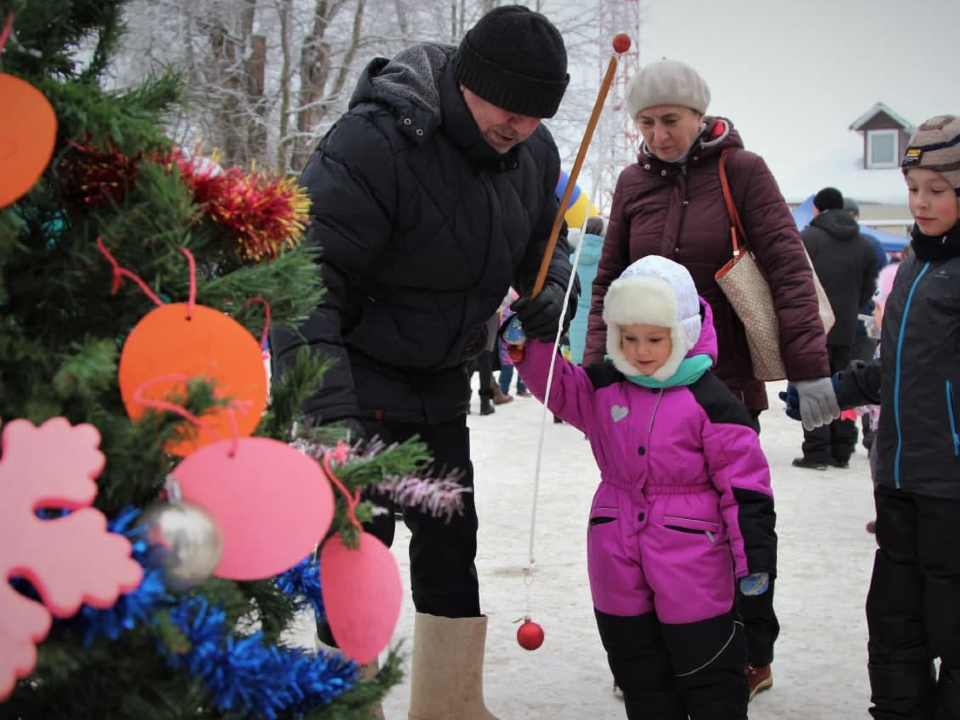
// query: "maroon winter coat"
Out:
[678,211]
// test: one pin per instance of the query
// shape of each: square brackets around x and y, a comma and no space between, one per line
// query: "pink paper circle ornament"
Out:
[362,595]
[271,502]
[199,343]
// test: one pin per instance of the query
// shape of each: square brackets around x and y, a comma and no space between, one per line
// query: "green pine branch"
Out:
[63,328]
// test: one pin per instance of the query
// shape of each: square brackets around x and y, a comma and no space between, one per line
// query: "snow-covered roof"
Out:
[881,108]
[842,167]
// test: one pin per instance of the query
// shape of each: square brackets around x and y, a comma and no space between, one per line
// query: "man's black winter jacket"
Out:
[422,228]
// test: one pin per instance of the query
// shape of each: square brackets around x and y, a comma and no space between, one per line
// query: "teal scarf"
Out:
[691,369]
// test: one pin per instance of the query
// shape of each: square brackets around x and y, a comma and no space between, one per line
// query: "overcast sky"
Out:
[792,75]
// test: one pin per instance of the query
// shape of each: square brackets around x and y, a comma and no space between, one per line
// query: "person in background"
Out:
[865,344]
[430,196]
[913,606]
[670,203]
[591,247]
[488,389]
[846,264]
[684,510]
[884,286]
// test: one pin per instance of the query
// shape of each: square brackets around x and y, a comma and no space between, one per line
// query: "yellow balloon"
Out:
[576,214]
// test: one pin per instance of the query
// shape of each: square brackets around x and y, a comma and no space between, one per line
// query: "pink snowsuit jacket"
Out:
[684,504]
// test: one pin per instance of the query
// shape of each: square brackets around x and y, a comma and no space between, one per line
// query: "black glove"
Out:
[792,401]
[540,316]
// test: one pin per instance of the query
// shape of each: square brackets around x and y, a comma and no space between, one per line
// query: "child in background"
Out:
[872,412]
[506,364]
[684,504]
[913,607]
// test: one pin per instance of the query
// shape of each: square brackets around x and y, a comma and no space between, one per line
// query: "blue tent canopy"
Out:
[803,214]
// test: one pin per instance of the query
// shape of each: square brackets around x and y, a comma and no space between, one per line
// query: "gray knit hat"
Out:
[515,59]
[936,146]
[667,82]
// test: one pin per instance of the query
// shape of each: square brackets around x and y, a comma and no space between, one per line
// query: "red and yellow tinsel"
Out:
[265,213]
[262,213]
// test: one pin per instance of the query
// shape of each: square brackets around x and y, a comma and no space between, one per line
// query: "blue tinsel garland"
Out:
[301,584]
[241,674]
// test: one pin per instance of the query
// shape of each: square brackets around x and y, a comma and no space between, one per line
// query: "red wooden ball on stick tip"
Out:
[530,635]
[621,42]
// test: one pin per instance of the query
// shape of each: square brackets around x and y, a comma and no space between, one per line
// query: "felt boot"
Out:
[447,674]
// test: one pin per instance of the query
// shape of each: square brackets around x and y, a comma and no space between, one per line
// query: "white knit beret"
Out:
[667,82]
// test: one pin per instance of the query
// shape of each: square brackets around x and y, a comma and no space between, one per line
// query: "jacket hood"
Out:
[718,133]
[419,88]
[839,223]
[707,342]
[408,83]
[592,249]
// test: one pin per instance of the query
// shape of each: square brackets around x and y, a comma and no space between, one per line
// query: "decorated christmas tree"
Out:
[159,508]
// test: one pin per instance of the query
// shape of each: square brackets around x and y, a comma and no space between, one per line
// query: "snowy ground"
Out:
[825,557]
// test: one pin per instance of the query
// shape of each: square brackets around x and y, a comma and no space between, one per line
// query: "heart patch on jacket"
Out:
[618,412]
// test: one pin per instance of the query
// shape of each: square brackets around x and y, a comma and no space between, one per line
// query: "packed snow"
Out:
[825,557]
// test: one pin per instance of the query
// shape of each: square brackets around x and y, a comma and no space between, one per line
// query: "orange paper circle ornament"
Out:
[271,502]
[28,130]
[204,345]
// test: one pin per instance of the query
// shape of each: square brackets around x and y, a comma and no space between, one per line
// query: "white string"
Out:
[531,562]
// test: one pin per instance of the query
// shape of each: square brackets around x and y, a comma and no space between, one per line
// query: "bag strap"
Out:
[736,225]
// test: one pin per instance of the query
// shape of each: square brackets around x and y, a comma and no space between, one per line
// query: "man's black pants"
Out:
[442,552]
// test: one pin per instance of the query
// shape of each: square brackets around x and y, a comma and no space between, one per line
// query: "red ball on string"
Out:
[621,42]
[530,635]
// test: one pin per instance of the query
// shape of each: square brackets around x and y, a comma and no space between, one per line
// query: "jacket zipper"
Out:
[898,368]
[653,415]
[953,420]
[709,535]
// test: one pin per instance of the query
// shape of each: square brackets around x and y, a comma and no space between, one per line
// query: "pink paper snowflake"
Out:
[70,560]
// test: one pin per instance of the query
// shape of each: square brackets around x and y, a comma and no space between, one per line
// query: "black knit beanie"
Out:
[828,199]
[514,58]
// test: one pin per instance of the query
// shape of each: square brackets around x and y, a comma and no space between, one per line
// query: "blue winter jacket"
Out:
[592,246]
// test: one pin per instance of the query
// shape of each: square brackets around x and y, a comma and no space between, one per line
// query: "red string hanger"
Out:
[178,340]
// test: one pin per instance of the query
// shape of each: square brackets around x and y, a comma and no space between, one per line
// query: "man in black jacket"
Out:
[431,196]
[846,264]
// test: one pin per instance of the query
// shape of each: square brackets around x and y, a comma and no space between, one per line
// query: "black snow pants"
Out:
[913,608]
[675,672]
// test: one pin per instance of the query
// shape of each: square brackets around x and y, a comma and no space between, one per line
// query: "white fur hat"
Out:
[653,291]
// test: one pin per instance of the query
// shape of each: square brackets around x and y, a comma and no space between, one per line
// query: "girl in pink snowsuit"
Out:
[684,507]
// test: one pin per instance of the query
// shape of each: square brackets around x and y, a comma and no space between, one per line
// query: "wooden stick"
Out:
[572,179]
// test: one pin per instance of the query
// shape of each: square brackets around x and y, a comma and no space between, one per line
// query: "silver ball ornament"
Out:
[185,540]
